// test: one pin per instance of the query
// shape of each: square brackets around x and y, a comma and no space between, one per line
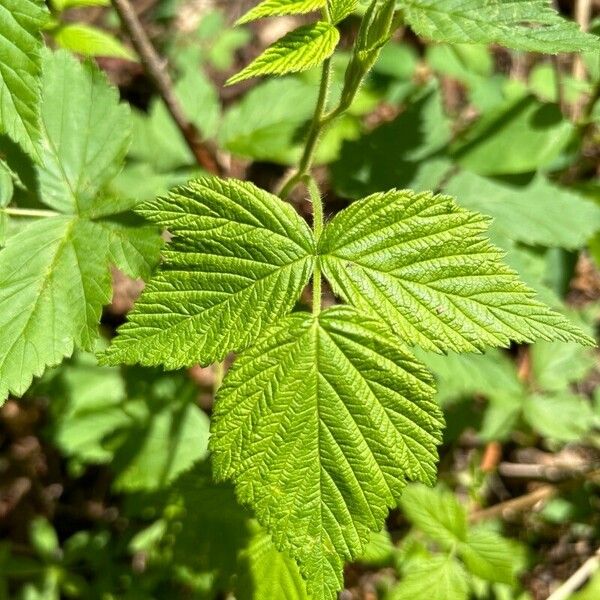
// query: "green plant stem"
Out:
[314,132]
[317,204]
[29,212]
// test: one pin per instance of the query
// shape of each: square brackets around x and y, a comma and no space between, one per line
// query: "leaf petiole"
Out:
[30,212]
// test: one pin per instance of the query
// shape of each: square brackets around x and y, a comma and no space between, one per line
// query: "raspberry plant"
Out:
[325,415]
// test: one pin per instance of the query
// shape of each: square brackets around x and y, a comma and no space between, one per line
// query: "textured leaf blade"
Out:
[319,425]
[298,50]
[86,134]
[238,261]
[419,262]
[530,25]
[21,22]
[278,8]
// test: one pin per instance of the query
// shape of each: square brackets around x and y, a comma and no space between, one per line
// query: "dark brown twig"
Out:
[155,68]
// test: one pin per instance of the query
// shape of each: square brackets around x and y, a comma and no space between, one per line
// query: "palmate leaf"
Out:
[298,50]
[238,261]
[320,424]
[21,22]
[441,517]
[420,263]
[530,25]
[147,424]
[278,8]
[54,274]
[437,578]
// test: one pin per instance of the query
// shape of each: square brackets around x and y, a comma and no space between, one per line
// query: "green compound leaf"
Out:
[419,262]
[530,25]
[239,260]
[54,274]
[320,424]
[278,8]
[20,68]
[298,50]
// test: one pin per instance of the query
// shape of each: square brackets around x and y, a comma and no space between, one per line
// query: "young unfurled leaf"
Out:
[298,50]
[21,22]
[54,274]
[340,9]
[530,25]
[419,262]
[238,261]
[277,8]
[320,424]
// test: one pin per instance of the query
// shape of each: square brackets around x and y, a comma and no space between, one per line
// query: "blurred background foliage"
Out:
[105,486]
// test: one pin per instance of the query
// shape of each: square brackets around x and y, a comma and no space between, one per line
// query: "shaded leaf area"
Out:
[405,153]
[145,424]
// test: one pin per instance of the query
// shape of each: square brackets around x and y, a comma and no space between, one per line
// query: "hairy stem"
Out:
[154,65]
[314,133]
